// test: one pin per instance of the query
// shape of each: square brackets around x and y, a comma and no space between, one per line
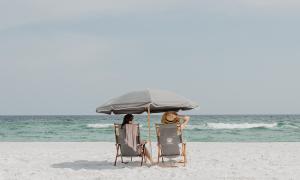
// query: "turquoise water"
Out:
[212,128]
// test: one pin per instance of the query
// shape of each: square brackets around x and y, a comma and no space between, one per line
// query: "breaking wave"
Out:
[233,126]
[99,126]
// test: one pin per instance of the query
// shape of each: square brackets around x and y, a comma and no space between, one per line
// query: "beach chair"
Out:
[123,150]
[169,137]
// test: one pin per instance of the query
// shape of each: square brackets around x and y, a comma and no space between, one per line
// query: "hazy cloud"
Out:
[14,12]
[67,57]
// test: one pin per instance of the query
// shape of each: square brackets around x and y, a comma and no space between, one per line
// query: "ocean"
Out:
[202,128]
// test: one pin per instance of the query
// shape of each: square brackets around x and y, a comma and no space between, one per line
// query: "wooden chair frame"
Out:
[118,146]
[159,148]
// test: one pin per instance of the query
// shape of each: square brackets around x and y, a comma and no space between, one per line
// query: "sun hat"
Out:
[170,119]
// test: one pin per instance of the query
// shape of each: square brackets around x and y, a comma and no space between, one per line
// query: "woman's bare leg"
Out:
[148,156]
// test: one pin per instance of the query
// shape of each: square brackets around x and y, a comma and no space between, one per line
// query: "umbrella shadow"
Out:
[94,165]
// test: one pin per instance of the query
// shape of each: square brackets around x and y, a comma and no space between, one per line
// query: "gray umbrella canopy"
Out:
[137,102]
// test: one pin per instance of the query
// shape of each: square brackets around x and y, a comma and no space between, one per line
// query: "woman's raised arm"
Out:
[186,119]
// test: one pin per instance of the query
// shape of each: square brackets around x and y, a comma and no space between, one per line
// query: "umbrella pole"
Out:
[149,132]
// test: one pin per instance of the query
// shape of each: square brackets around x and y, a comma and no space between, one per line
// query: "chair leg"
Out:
[142,160]
[158,154]
[116,160]
[117,147]
[131,158]
[143,155]
[184,154]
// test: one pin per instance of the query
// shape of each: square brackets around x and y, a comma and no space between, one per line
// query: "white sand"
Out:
[60,161]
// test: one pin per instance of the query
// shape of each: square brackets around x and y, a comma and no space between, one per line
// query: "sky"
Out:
[63,57]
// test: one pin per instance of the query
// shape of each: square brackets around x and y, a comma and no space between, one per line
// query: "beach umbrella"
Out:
[155,101]
[149,100]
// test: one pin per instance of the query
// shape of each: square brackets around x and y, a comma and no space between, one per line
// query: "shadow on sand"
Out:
[95,165]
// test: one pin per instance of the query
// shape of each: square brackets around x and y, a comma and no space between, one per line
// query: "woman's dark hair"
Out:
[127,118]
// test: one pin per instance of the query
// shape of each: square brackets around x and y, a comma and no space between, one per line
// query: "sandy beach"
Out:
[93,160]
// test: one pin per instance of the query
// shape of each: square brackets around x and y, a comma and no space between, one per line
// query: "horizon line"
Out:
[225,114]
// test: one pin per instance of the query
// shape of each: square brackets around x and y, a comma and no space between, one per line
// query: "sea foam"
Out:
[240,125]
[102,126]
[99,126]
